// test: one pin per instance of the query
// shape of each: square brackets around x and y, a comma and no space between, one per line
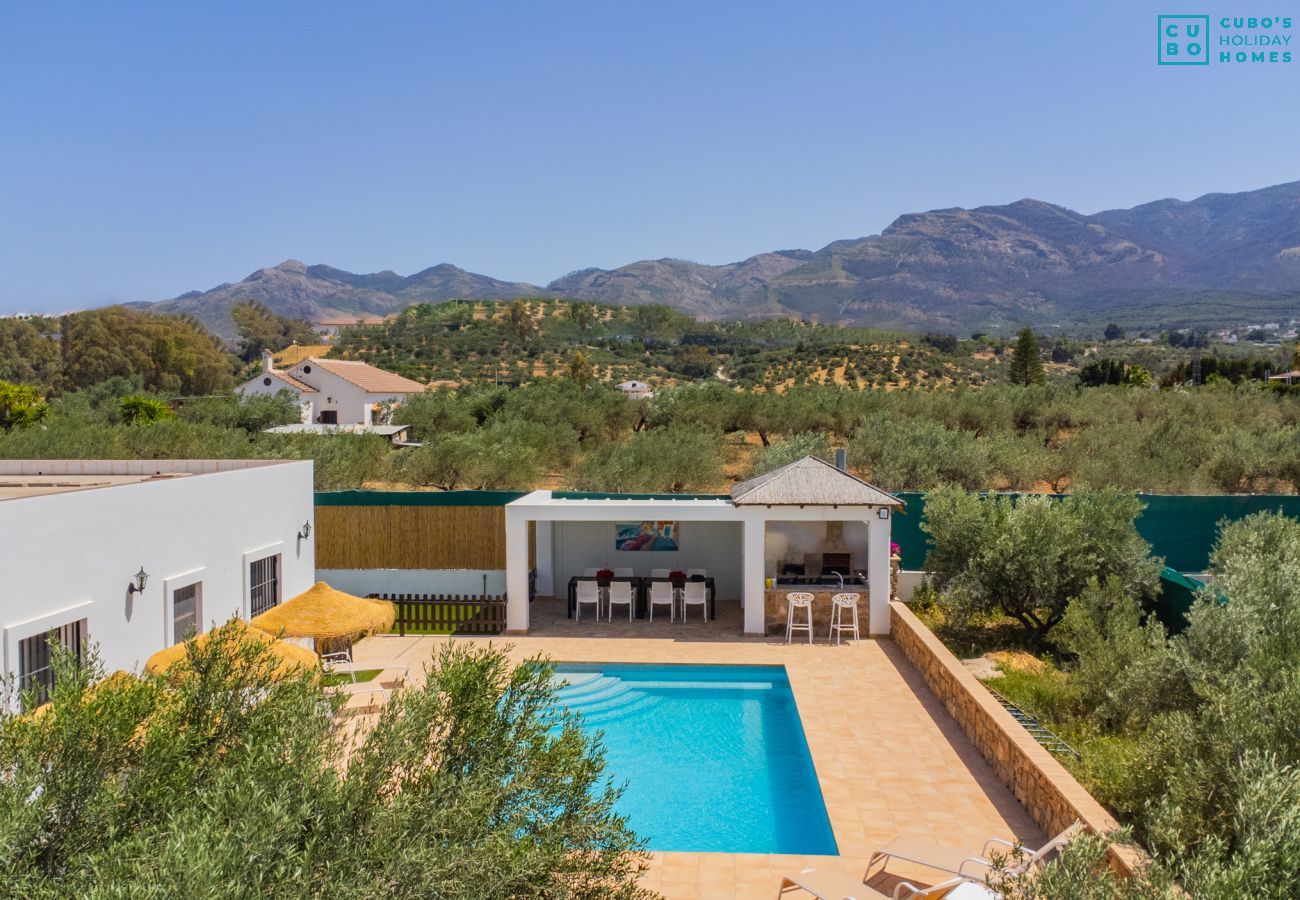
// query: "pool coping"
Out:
[889,758]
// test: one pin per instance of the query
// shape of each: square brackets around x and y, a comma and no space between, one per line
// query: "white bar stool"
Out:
[839,604]
[798,600]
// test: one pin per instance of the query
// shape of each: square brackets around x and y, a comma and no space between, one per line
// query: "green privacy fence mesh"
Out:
[1180,527]
[416,498]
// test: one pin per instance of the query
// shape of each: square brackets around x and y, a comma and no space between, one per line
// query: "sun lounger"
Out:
[836,884]
[967,863]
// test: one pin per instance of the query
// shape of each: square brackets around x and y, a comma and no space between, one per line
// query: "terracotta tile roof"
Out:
[291,381]
[367,377]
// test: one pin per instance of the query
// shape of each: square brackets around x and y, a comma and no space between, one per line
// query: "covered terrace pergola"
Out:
[808,518]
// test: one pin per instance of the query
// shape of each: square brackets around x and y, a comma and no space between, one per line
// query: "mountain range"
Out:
[1219,259]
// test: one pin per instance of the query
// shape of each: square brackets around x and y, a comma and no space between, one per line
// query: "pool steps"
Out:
[603,698]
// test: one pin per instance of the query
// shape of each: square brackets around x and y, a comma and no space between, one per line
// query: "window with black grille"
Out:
[185,611]
[36,659]
[263,584]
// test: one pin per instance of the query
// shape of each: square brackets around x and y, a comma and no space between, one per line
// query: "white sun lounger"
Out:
[965,863]
[836,884]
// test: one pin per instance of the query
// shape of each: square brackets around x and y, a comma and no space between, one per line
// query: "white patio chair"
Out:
[588,592]
[795,601]
[843,605]
[695,594]
[703,573]
[659,573]
[589,573]
[662,592]
[338,663]
[620,592]
[623,573]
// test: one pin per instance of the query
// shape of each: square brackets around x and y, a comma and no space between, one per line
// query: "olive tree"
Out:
[1029,556]
[230,779]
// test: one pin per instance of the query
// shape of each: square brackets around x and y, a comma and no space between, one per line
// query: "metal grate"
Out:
[263,584]
[185,612]
[36,659]
[1037,731]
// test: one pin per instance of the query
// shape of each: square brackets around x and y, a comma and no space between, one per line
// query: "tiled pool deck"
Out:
[890,759]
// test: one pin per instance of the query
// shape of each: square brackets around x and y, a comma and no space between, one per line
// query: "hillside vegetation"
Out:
[527,340]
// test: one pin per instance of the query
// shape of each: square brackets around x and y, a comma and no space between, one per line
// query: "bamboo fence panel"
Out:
[414,537]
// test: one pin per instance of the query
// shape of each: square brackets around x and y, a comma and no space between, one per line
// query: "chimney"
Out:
[841,459]
[266,361]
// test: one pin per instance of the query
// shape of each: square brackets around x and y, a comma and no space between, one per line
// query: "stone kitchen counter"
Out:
[775,608]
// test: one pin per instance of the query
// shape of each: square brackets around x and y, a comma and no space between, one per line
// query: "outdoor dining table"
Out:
[645,590]
[638,594]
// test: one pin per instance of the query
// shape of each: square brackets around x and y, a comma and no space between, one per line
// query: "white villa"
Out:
[132,555]
[808,526]
[636,390]
[333,391]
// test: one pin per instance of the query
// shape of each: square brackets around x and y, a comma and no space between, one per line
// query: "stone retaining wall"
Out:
[1048,792]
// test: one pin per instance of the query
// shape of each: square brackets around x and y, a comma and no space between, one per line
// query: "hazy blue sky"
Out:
[149,149]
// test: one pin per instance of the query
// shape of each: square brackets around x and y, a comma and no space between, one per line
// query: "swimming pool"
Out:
[714,757]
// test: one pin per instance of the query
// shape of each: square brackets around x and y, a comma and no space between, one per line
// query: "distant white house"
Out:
[636,390]
[333,391]
[131,555]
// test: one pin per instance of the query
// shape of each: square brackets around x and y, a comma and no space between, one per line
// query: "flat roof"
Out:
[23,478]
[13,487]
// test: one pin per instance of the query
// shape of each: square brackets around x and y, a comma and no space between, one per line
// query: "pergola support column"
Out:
[751,574]
[516,572]
[878,535]
[545,557]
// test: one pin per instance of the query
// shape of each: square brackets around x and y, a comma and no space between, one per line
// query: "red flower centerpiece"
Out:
[677,577]
[604,576]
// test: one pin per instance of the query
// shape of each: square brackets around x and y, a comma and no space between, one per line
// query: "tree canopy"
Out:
[225,779]
[1030,556]
[168,353]
[1026,360]
[260,329]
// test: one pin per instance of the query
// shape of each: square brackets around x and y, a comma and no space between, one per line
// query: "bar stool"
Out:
[839,604]
[798,600]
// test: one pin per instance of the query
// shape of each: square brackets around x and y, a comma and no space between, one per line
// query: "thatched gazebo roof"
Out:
[328,616]
[289,656]
[810,482]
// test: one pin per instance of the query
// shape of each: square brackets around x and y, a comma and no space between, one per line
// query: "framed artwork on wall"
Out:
[645,536]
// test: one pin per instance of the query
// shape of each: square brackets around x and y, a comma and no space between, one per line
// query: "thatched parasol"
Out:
[289,657]
[333,619]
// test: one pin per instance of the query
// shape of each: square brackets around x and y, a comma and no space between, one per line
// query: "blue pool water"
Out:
[714,757]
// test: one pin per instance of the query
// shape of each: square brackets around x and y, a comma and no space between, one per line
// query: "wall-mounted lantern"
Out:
[138,582]
[306,531]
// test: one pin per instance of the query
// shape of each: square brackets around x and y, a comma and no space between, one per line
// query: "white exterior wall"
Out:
[715,546]
[72,555]
[465,582]
[352,404]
